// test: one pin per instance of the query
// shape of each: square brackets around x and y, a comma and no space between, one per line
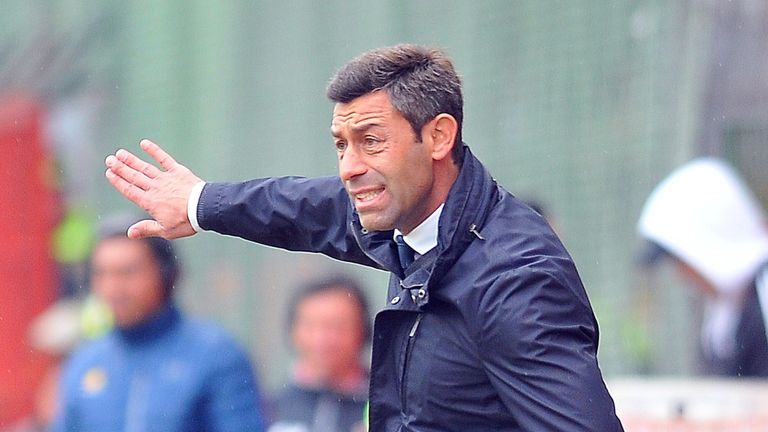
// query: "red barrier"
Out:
[27,270]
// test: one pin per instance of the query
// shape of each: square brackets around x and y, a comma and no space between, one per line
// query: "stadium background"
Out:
[582,105]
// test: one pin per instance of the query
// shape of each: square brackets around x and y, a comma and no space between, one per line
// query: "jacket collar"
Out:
[156,325]
[466,209]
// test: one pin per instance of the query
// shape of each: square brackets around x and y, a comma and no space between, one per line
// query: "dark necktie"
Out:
[404,252]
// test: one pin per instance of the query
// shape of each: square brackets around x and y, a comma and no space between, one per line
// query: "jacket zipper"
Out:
[408,347]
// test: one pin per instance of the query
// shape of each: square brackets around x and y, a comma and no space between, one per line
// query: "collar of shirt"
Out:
[424,237]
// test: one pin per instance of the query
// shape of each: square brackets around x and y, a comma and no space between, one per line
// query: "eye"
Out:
[371,142]
[340,145]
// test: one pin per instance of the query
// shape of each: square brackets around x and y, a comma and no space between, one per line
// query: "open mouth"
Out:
[367,198]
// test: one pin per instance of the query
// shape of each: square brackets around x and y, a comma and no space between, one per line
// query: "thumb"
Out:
[144,229]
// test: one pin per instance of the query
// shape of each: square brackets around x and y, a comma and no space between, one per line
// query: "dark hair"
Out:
[162,250]
[329,284]
[420,82]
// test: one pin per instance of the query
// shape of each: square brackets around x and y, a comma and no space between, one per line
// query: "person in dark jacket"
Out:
[329,324]
[487,326]
[157,370]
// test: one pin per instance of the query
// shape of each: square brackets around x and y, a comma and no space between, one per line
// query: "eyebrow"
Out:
[360,128]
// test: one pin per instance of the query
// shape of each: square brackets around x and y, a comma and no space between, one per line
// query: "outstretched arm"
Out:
[298,214]
[163,193]
[293,213]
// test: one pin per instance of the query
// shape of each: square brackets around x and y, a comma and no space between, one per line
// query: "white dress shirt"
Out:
[423,238]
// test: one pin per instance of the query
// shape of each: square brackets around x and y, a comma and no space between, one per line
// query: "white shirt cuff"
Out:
[194,198]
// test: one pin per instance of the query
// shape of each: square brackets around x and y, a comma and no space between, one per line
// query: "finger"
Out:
[128,174]
[164,159]
[139,165]
[128,190]
[145,228]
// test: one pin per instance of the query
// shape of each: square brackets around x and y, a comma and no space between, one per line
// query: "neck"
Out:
[446,173]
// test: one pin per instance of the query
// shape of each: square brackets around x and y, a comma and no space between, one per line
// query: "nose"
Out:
[351,164]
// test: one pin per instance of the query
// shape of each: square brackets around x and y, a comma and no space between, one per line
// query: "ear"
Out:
[441,131]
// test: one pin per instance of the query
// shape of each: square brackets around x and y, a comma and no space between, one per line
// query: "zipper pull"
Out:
[415,326]
[473,230]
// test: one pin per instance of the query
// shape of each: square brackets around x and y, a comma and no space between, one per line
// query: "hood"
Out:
[705,215]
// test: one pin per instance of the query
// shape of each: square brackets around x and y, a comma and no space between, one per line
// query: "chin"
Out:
[376,222]
[127,322]
[376,226]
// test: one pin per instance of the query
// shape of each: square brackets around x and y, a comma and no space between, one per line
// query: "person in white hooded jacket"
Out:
[705,218]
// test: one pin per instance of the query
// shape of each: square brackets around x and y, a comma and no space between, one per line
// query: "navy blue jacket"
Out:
[168,374]
[491,330]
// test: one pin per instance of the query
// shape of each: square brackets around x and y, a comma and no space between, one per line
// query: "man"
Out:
[705,218]
[489,328]
[329,324]
[157,370]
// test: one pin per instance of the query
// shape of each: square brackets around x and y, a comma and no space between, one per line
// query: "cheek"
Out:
[305,340]
[412,185]
[146,293]
[350,346]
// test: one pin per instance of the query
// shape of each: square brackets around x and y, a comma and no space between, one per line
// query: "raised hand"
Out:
[163,193]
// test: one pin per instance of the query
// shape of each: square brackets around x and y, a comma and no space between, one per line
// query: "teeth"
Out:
[367,195]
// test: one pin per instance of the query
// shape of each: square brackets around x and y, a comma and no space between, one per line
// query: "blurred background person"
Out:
[329,325]
[157,370]
[707,221]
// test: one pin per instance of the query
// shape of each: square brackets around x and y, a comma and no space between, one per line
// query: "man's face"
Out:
[328,333]
[126,276]
[386,170]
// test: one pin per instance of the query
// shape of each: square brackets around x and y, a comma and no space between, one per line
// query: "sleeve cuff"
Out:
[194,198]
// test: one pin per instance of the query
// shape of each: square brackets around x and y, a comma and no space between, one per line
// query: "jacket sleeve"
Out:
[294,213]
[538,343]
[232,399]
